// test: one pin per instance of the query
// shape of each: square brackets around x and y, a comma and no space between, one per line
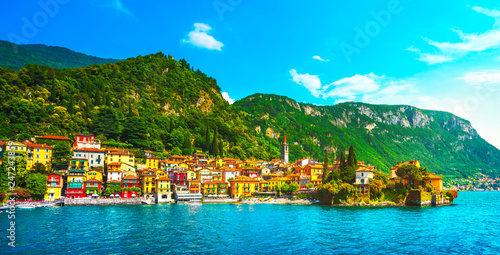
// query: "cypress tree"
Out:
[352,160]
[207,139]
[71,107]
[221,148]
[129,108]
[342,163]
[213,148]
[171,128]
[325,168]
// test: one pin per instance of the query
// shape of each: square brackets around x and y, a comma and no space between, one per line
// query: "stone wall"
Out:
[102,201]
[414,198]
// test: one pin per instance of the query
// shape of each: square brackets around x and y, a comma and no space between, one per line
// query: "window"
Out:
[362,174]
[37,149]
[46,156]
[37,155]
[47,150]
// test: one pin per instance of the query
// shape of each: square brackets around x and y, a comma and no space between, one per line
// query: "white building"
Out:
[86,141]
[205,175]
[114,175]
[363,176]
[95,157]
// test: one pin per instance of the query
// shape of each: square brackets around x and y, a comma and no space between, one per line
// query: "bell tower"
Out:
[284,150]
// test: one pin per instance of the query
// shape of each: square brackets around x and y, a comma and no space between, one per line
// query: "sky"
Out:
[438,55]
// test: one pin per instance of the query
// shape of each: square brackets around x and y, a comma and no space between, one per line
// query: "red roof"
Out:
[114,164]
[2,143]
[130,177]
[54,137]
[89,149]
[36,145]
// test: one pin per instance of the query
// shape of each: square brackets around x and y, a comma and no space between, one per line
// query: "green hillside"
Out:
[16,56]
[382,134]
[151,102]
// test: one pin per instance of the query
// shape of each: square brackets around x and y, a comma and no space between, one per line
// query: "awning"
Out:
[95,195]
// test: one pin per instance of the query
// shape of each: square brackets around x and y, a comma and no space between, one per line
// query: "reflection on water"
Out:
[468,227]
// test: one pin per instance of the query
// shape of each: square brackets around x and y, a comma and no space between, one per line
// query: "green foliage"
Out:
[16,56]
[376,187]
[352,160]
[309,185]
[412,173]
[40,169]
[438,144]
[451,195]
[325,168]
[37,185]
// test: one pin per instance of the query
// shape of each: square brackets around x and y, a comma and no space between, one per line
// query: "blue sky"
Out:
[440,55]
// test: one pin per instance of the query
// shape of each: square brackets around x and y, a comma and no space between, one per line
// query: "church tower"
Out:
[284,150]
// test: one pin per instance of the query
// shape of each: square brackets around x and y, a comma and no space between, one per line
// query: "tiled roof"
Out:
[54,137]
[36,145]
[89,149]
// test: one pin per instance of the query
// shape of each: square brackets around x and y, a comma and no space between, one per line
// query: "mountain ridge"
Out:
[395,127]
[16,56]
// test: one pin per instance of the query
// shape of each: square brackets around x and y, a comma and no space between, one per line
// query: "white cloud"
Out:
[118,6]
[474,42]
[199,37]
[311,82]
[352,86]
[481,78]
[320,59]
[430,59]
[225,95]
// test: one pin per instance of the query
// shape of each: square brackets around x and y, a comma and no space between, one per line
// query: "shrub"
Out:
[451,195]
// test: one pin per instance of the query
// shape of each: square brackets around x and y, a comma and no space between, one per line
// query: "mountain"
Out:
[149,102]
[16,56]
[382,134]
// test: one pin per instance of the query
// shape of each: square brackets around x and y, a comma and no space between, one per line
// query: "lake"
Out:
[472,225]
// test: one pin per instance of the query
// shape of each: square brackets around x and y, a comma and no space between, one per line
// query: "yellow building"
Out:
[118,156]
[152,162]
[147,181]
[277,182]
[214,188]
[244,185]
[96,175]
[79,164]
[220,162]
[435,180]
[191,175]
[39,153]
[163,187]
[54,186]
[395,168]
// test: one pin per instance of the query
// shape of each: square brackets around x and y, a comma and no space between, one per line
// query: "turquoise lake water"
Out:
[472,225]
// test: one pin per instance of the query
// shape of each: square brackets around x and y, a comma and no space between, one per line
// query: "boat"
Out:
[194,202]
[26,206]
[4,207]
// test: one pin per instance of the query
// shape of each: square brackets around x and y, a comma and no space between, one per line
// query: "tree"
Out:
[213,147]
[221,148]
[376,187]
[309,185]
[135,132]
[412,173]
[352,160]
[325,168]
[39,168]
[294,187]
[207,139]
[342,163]
[37,185]
[451,195]
[61,154]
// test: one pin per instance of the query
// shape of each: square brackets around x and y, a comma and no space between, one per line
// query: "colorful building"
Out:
[118,156]
[164,191]
[148,182]
[217,188]
[129,184]
[244,185]
[94,156]
[86,141]
[39,153]
[54,186]
[152,162]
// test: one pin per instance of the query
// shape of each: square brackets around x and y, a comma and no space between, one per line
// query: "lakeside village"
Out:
[99,176]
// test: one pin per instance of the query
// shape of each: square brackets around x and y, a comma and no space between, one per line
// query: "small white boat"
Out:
[194,203]
[27,206]
[4,207]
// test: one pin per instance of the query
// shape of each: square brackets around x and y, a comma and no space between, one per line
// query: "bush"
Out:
[451,195]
